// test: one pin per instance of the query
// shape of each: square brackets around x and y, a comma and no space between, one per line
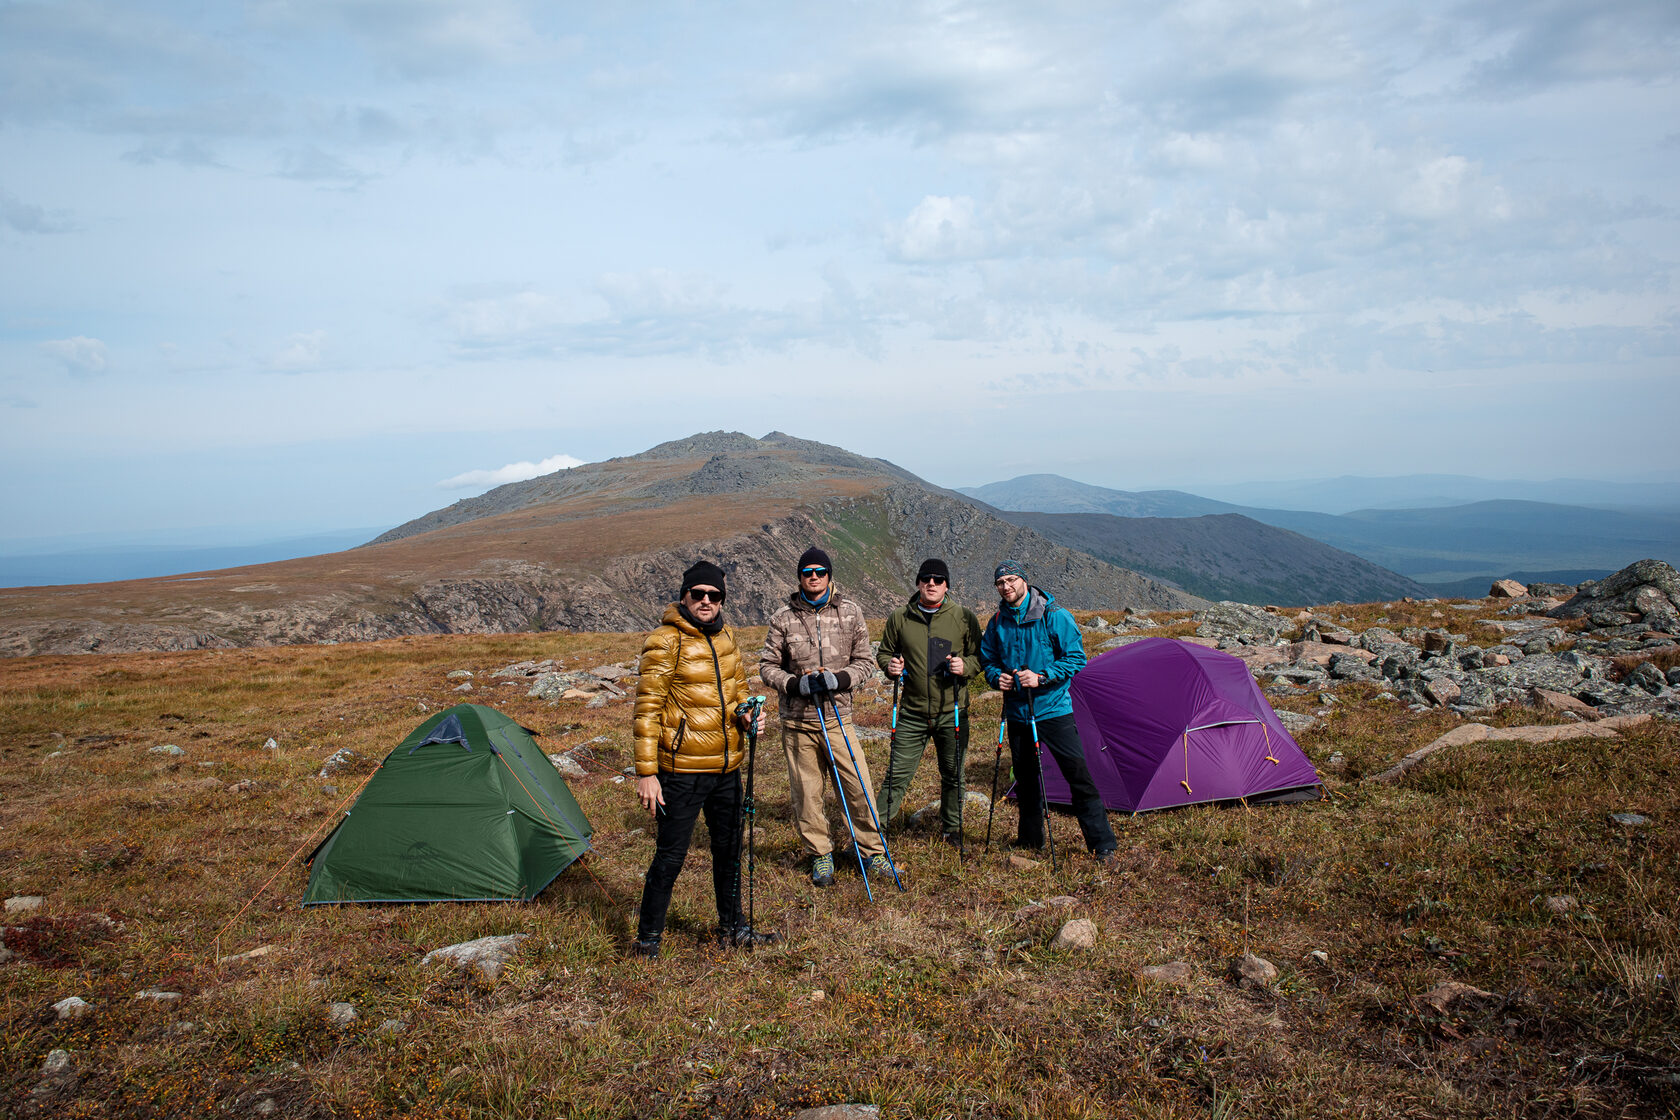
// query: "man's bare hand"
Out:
[1029,679]
[956,665]
[895,667]
[649,793]
[1006,682]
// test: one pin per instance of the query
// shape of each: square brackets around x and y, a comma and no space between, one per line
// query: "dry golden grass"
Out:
[939,1002]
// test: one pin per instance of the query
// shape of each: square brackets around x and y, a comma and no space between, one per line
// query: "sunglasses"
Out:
[705,593]
[803,572]
[931,579]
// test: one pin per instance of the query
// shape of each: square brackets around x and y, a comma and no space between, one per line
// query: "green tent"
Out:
[467,809]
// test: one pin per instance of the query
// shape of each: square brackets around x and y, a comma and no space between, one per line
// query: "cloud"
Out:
[513,472]
[83,357]
[939,228]
[301,352]
[419,39]
[24,217]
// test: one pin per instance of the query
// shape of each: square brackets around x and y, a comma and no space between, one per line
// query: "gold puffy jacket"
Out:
[685,700]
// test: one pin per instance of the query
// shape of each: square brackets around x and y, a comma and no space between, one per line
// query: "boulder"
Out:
[1294,722]
[1620,591]
[1546,699]
[1377,637]
[24,903]
[1238,623]
[1441,690]
[1648,677]
[484,957]
[73,1007]
[1254,972]
[1507,589]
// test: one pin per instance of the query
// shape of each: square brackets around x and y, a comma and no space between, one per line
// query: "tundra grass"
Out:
[943,1001]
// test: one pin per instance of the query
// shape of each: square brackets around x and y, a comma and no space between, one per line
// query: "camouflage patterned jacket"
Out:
[802,638]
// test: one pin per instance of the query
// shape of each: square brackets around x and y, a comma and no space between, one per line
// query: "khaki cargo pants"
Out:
[807,762]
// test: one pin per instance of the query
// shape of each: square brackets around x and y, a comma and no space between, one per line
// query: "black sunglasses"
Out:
[706,593]
[803,572]
[930,579]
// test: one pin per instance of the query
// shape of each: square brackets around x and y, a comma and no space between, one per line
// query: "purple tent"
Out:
[1169,723]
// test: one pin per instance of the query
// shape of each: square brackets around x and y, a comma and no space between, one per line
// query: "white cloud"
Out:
[513,472]
[82,356]
[301,352]
[939,228]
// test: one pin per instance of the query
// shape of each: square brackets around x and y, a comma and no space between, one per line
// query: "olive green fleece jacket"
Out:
[910,633]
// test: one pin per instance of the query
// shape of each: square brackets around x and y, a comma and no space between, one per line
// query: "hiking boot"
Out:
[954,839]
[1108,857]
[744,936]
[878,866]
[822,871]
[645,947]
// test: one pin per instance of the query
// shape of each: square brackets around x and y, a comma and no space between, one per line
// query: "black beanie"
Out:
[933,567]
[815,555]
[703,571]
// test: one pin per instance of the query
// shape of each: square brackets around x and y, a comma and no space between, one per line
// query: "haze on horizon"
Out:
[298,263]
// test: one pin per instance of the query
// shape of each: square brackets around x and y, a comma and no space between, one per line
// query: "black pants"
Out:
[686,795]
[1061,738]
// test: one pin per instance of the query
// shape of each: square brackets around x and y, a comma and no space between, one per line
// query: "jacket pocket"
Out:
[676,741]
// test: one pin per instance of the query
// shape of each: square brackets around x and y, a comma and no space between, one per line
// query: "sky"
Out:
[297,265]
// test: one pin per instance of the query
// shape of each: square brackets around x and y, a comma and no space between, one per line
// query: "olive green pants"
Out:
[909,743]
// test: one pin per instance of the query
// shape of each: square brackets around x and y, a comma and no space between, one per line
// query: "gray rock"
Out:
[1377,637]
[1561,903]
[57,1063]
[1620,591]
[1604,618]
[392,1026]
[1122,640]
[1441,690]
[169,749]
[1347,667]
[1178,973]
[1551,590]
[551,686]
[154,995]
[484,957]
[1239,622]
[341,1014]
[1546,671]
[464,686]
[74,1007]
[1648,677]
[337,761]
[271,744]
[1080,933]
[567,766]
[1630,820]
[458,675]
[1254,972]
[839,1112]
[1294,722]
[24,903]
[1673,677]
[1665,621]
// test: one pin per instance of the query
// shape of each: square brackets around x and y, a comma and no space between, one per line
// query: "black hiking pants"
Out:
[1061,739]
[686,796]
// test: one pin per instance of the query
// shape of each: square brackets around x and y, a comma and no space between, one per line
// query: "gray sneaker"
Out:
[822,870]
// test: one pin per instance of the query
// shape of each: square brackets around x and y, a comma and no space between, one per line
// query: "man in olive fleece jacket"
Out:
[932,645]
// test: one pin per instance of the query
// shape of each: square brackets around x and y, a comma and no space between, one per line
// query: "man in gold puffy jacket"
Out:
[689,748]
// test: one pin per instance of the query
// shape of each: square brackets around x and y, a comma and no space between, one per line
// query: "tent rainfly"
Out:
[466,809]
[1167,723]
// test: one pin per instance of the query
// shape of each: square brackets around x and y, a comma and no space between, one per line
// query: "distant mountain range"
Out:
[1454,545]
[598,547]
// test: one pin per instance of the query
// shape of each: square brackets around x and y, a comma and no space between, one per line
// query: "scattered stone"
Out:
[818,995]
[568,766]
[249,955]
[1561,903]
[464,686]
[271,744]
[484,957]
[1294,722]
[265,1106]
[169,749]
[1507,589]
[1336,761]
[1445,994]
[75,1007]
[1173,972]
[840,1112]
[24,903]
[157,996]
[341,1014]
[1630,820]
[337,761]
[1022,863]
[1648,677]
[57,1063]
[612,672]
[1238,624]
[1320,956]
[1442,691]
[1254,972]
[1080,933]
[1561,702]
[458,675]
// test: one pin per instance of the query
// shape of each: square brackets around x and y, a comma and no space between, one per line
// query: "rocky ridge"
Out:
[1630,615]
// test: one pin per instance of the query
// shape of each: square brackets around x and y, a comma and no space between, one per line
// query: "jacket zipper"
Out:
[723,705]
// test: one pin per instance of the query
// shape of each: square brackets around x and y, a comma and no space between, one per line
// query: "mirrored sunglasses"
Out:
[803,572]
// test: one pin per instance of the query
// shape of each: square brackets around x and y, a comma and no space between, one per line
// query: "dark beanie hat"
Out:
[703,572]
[933,567]
[815,555]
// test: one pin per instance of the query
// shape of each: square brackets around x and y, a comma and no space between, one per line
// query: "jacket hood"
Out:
[1038,605]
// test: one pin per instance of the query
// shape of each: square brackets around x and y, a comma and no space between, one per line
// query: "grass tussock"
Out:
[945,1001]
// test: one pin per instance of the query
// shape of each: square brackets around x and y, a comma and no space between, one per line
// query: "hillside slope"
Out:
[1224,556]
[600,547]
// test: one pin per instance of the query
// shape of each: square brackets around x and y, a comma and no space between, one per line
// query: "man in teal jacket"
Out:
[1032,648]
[932,645]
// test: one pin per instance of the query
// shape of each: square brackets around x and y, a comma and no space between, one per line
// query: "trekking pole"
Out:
[997,764]
[840,794]
[1038,757]
[898,680]
[869,802]
[749,810]
[962,779]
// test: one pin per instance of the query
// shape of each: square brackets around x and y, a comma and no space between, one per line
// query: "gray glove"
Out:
[818,681]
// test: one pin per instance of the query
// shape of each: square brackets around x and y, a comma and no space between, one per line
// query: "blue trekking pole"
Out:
[840,794]
[868,801]
[1038,757]
[896,682]
[997,764]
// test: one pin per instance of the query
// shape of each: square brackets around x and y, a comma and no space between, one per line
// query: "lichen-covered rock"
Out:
[1254,972]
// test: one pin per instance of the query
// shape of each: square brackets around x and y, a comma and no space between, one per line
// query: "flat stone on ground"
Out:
[1173,972]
